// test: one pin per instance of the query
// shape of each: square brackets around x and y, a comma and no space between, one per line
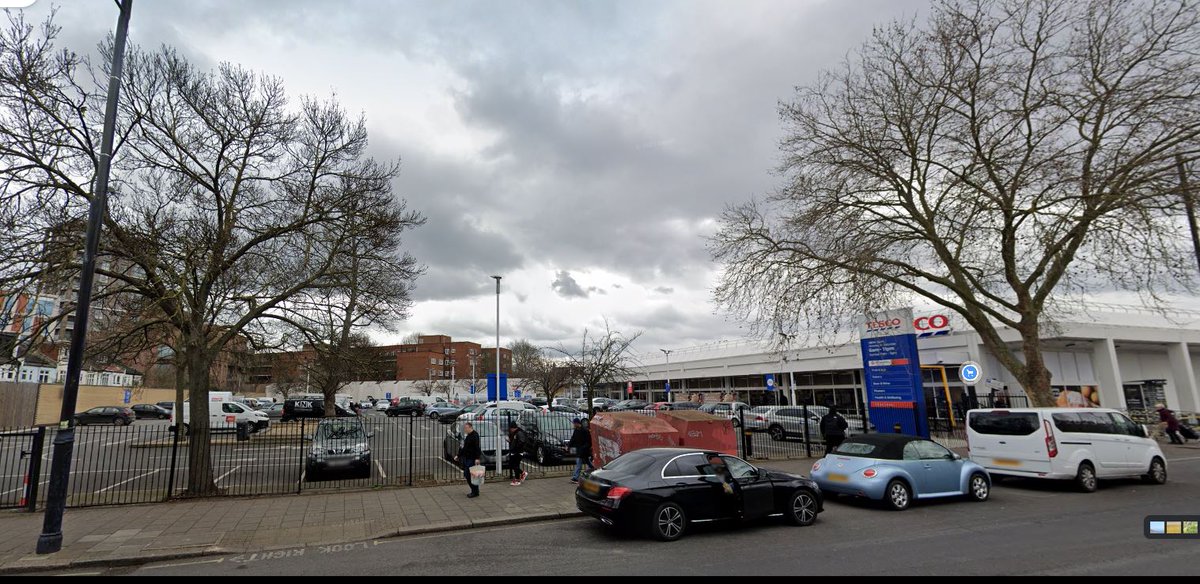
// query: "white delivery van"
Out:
[1077,444]
[224,413]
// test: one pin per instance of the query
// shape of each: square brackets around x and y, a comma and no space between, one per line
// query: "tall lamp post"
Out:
[497,367]
[668,352]
[50,540]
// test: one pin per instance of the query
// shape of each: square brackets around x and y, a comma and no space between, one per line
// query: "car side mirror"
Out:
[953,456]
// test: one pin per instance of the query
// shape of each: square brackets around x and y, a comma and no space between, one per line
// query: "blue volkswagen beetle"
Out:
[898,468]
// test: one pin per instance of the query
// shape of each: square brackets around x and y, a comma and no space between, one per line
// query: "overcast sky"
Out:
[581,150]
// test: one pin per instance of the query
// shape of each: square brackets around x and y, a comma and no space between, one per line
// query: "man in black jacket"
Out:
[833,428]
[468,455]
[581,444]
[518,442]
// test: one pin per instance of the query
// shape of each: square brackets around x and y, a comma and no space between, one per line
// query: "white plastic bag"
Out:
[477,474]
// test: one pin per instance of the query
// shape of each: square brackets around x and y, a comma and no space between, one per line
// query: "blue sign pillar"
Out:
[128,396]
[892,372]
[491,389]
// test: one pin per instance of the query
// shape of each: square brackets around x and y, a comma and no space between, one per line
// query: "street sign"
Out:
[892,371]
[128,395]
[668,387]
[629,388]
[389,396]
[770,382]
[970,372]
[516,393]
[472,388]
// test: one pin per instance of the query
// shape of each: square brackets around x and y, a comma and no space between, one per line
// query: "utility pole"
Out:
[50,540]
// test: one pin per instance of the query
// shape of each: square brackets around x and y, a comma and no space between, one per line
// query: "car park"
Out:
[224,413]
[339,445]
[490,440]
[310,406]
[274,412]
[166,405]
[548,435]
[150,412]
[898,469]
[783,422]
[628,405]
[366,405]
[1077,444]
[115,415]
[663,491]
[733,410]
[382,405]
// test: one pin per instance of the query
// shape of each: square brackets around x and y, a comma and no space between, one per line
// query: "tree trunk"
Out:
[200,468]
[181,378]
[1034,377]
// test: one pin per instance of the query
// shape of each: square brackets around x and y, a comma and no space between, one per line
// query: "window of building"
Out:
[24,375]
[44,376]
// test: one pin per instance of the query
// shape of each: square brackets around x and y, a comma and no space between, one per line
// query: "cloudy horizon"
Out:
[581,150]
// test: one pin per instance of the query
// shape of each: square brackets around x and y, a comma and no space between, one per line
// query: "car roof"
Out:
[891,446]
[670,452]
[1048,410]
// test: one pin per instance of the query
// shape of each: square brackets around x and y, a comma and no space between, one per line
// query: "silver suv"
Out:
[783,422]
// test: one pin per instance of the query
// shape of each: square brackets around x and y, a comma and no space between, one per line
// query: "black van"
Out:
[309,407]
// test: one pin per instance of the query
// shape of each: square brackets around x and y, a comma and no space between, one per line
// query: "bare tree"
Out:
[601,359]
[526,359]
[425,386]
[550,376]
[1009,153]
[227,201]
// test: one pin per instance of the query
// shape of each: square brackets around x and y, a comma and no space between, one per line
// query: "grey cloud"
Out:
[565,285]
[664,290]
[596,290]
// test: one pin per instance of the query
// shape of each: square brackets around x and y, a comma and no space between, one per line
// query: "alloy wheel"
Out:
[670,522]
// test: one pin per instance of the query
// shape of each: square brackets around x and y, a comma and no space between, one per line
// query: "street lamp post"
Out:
[50,540]
[668,352]
[497,369]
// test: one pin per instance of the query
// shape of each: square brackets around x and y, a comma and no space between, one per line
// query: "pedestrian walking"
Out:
[1171,423]
[833,429]
[468,455]
[581,444]
[518,441]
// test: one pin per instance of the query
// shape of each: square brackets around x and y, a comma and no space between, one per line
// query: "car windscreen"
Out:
[861,449]
[342,431]
[631,463]
[1004,423]
[760,409]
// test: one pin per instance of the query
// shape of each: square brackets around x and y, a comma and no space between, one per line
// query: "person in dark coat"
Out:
[518,442]
[468,455]
[1172,423]
[833,428]
[581,444]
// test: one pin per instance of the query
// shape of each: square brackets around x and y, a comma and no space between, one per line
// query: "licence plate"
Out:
[838,478]
[591,487]
[1006,462]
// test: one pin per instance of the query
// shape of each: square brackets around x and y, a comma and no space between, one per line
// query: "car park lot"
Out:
[1029,527]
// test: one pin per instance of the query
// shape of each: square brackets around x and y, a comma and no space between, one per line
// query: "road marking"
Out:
[115,485]
[177,564]
[231,471]
[1183,459]
[111,443]
[380,467]
[22,488]
[83,574]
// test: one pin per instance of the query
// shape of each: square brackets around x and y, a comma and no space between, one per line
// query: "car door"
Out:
[533,435]
[689,479]
[1137,448]
[940,468]
[758,495]
[910,461]
[1109,445]
[792,420]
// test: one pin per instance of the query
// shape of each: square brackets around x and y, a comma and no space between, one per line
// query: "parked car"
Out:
[548,434]
[602,404]
[731,410]
[444,412]
[167,405]
[490,439]
[406,407]
[665,490]
[502,412]
[1078,444]
[898,469]
[382,405]
[666,406]
[366,405]
[150,412]
[629,405]
[275,412]
[339,445]
[783,422]
[117,416]
[565,409]
[312,406]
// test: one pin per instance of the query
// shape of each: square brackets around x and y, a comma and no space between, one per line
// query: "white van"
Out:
[1078,444]
[224,413]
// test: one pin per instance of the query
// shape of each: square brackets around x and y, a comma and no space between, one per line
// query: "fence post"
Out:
[35,469]
[807,434]
[174,458]
[747,438]
[412,420]
[303,451]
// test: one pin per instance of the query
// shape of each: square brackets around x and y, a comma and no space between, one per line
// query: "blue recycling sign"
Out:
[970,372]
[668,386]
[770,382]
[128,395]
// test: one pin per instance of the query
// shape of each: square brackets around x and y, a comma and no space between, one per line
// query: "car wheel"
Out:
[777,433]
[668,522]
[118,421]
[541,456]
[79,422]
[1158,472]
[1085,478]
[433,416]
[414,413]
[163,417]
[978,488]
[897,496]
[802,508]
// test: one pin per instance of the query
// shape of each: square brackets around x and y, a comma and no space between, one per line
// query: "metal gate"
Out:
[21,454]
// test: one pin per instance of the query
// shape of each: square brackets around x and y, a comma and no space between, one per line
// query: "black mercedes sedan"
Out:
[661,491]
